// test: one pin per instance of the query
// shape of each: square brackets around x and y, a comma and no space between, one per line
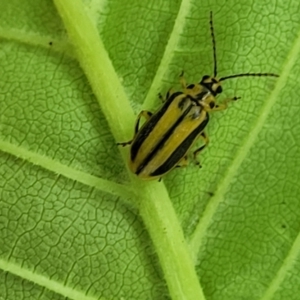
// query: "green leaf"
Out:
[75,224]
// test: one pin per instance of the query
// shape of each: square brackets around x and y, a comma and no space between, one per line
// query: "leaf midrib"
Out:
[168,53]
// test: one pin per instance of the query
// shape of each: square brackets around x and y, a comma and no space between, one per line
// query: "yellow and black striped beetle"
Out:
[164,140]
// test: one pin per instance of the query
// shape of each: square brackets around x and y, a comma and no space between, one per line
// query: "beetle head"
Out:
[212,84]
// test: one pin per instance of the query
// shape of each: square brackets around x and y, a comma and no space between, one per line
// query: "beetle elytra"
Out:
[165,139]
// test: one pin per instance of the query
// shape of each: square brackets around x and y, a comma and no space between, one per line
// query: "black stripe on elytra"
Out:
[164,139]
[148,126]
[181,150]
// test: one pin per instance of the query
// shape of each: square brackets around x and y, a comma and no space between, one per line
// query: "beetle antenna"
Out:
[213,43]
[248,74]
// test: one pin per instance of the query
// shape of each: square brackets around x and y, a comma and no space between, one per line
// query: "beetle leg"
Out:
[169,92]
[224,105]
[182,80]
[200,149]
[183,162]
[144,113]
[161,98]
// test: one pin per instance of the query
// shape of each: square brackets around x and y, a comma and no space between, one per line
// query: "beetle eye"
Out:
[219,90]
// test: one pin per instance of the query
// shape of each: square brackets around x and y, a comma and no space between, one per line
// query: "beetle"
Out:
[165,139]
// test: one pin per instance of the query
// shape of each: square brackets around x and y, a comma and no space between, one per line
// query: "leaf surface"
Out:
[74,223]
